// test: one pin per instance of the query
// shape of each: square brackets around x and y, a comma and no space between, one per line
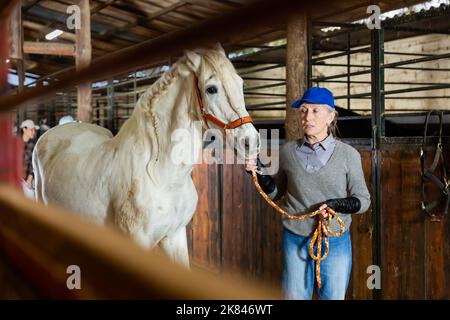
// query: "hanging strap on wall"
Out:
[429,174]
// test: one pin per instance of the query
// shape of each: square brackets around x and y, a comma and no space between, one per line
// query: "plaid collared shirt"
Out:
[27,158]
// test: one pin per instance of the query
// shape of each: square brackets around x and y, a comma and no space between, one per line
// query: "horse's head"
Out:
[220,99]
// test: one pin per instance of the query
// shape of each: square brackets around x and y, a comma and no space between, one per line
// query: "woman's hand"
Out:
[251,165]
[323,211]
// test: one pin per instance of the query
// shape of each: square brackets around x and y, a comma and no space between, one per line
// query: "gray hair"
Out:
[333,128]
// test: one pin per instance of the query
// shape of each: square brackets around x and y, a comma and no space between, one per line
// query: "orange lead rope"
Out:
[322,229]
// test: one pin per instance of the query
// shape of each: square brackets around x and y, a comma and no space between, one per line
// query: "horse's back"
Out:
[71,138]
[64,159]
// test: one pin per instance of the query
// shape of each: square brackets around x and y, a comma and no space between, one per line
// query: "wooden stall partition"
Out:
[204,230]
[251,233]
[361,232]
[437,249]
[415,250]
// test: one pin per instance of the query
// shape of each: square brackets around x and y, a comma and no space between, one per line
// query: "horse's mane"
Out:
[147,102]
[147,105]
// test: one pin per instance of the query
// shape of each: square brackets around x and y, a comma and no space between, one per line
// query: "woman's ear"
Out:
[331,118]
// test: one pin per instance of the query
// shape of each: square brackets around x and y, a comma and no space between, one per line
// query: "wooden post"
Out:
[16,52]
[10,146]
[83,53]
[54,48]
[296,70]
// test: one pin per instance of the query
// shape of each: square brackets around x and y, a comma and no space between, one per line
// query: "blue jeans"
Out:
[298,274]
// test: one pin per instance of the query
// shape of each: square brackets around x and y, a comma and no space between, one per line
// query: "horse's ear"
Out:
[218,47]
[193,60]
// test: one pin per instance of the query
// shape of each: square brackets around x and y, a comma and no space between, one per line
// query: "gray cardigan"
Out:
[341,177]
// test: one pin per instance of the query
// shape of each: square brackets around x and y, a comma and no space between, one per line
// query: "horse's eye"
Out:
[211,90]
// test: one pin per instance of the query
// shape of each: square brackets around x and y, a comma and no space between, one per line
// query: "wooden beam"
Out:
[96,7]
[43,241]
[50,48]
[83,56]
[296,69]
[29,6]
[16,51]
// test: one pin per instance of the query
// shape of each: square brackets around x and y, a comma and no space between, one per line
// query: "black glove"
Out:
[344,205]
[266,182]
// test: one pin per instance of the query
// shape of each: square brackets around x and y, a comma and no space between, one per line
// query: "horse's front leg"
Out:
[175,246]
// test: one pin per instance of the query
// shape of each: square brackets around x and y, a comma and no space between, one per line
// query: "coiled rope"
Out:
[322,231]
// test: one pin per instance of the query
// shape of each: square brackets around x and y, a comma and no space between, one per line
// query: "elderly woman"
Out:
[315,172]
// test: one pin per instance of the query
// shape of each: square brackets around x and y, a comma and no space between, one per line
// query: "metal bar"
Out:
[420,98]
[267,109]
[266,86]
[336,76]
[264,94]
[310,52]
[344,53]
[390,82]
[426,88]
[134,89]
[377,75]
[419,69]
[399,91]
[368,66]
[263,79]
[356,73]
[418,60]
[396,98]
[273,61]
[266,104]
[110,109]
[262,69]
[342,65]
[393,110]
[119,84]
[409,54]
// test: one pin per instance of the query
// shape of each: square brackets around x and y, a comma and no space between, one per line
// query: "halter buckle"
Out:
[447,184]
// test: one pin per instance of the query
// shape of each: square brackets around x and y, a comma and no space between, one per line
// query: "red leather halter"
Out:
[207,116]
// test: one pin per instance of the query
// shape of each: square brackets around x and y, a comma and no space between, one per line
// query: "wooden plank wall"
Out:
[415,251]
[234,230]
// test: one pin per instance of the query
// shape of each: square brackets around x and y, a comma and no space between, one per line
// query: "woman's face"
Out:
[315,119]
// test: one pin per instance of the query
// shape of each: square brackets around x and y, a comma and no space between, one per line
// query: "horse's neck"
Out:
[154,120]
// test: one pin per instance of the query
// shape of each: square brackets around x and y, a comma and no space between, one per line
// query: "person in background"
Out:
[28,130]
[66,119]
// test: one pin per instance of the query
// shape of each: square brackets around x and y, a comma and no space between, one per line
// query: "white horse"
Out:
[130,180]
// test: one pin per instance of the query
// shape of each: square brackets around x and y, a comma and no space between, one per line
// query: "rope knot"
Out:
[321,232]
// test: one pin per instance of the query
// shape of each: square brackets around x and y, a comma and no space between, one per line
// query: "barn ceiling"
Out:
[117,24]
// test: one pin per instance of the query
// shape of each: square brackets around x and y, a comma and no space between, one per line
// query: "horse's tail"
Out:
[38,179]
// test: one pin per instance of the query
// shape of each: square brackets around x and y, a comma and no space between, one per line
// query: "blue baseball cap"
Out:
[316,95]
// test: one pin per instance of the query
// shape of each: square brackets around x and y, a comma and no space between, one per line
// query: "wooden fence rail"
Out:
[43,241]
